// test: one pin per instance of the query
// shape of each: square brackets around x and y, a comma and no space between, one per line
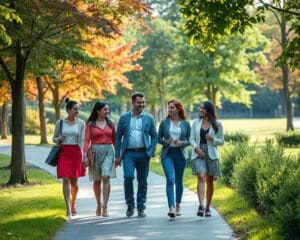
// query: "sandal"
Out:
[98,211]
[200,212]
[104,211]
[207,212]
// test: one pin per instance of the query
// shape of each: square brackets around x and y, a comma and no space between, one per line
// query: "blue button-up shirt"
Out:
[136,131]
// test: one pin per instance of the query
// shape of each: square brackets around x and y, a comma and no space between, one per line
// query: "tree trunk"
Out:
[285,80]
[56,102]
[4,120]
[18,170]
[41,94]
[162,97]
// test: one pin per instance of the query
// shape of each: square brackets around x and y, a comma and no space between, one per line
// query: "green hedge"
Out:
[269,181]
[288,139]
[32,124]
[232,154]
[237,137]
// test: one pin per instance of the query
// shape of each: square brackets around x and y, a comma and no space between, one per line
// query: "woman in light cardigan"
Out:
[70,162]
[174,133]
[206,136]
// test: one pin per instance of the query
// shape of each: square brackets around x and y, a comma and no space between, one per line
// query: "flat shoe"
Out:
[172,213]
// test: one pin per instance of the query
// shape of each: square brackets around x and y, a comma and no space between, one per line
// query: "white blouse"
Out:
[175,132]
[74,133]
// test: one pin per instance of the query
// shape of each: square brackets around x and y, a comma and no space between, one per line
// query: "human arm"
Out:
[153,136]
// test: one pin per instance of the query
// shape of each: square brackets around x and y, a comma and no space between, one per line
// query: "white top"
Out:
[73,132]
[175,132]
[135,139]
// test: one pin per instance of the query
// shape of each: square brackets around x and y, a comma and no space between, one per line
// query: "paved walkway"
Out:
[117,226]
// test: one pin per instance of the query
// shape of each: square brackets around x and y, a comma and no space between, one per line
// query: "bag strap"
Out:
[60,126]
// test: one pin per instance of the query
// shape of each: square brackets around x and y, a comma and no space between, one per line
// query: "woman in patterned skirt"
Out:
[206,136]
[70,166]
[100,138]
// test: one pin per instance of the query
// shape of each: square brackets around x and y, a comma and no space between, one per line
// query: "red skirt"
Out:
[70,163]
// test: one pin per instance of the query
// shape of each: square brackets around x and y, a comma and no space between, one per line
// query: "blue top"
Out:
[149,134]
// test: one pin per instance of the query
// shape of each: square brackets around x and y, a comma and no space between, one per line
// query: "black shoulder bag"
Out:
[52,158]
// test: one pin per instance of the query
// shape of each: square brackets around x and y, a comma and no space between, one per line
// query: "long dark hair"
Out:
[94,115]
[212,115]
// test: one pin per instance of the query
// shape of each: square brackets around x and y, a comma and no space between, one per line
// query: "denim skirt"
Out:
[206,165]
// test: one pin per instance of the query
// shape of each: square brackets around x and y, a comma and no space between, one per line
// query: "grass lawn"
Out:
[259,129]
[34,211]
[245,221]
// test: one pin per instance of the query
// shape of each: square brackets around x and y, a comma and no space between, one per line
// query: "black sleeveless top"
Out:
[202,136]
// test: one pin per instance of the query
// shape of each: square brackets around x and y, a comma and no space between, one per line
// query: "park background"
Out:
[242,55]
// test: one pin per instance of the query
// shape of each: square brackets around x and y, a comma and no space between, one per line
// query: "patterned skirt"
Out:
[207,166]
[103,162]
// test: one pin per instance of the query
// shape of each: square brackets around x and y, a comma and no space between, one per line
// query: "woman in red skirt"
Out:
[70,165]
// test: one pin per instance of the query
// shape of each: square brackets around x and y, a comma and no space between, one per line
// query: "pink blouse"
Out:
[97,135]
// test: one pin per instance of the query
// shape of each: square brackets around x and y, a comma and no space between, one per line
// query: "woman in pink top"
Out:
[100,137]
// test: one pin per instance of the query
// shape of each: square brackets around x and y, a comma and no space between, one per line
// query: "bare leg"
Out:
[106,192]
[66,192]
[209,190]
[97,193]
[74,191]
[201,188]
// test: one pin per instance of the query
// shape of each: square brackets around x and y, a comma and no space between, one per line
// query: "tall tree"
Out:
[157,64]
[223,73]
[47,22]
[208,21]
[4,100]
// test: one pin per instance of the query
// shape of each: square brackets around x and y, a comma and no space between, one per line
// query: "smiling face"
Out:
[103,112]
[138,105]
[202,111]
[172,110]
[73,112]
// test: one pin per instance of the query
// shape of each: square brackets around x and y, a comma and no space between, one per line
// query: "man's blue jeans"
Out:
[140,161]
[174,165]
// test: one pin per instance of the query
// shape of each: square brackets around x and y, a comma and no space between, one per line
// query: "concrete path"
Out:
[117,226]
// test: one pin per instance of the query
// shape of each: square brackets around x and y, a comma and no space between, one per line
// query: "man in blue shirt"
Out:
[136,139]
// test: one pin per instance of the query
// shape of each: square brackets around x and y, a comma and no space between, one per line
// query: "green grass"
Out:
[31,140]
[245,221]
[34,211]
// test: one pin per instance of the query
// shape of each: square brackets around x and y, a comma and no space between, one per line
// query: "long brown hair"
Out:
[212,115]
[179,106]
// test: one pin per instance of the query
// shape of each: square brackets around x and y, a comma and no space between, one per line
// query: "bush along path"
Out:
[156,225]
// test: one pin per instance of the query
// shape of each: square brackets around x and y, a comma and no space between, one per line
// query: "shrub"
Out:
[32,124]
[286,211]
[237,137]
[244,177]
[231,155]
[288,139]
[269,175]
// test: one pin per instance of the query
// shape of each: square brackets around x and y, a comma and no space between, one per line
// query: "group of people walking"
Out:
[101,146]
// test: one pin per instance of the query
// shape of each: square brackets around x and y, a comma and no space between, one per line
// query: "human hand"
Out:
[85,163]
[199,152]
[170,141]
[178,142]
[209,138]
[61,139]
[117,162]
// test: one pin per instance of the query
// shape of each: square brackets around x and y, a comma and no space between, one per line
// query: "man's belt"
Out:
[140,149]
